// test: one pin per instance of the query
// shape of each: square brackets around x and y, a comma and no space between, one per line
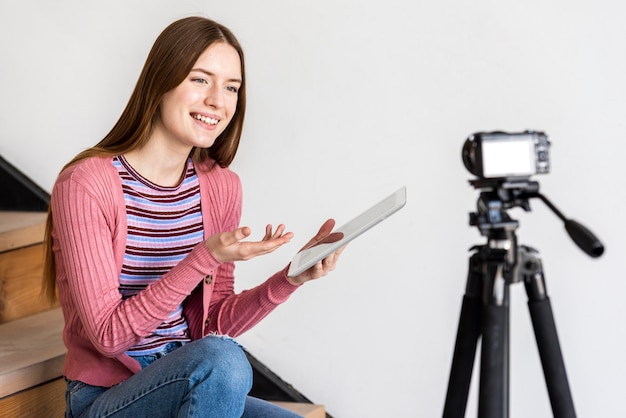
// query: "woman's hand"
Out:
[328,264]
[228,246]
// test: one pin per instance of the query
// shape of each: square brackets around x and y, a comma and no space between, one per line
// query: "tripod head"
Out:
[500,194]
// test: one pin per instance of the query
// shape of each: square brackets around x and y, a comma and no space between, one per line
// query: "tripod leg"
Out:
[548,343]
[493,400]
[465,346]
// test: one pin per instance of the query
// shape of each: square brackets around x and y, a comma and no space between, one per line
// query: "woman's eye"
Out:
[199,80]
[232,89]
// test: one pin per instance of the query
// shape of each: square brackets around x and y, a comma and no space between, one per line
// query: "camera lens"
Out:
[469,155]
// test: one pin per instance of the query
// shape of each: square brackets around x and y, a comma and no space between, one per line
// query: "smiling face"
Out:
[199,109]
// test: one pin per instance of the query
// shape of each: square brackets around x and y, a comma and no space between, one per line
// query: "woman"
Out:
[142,235]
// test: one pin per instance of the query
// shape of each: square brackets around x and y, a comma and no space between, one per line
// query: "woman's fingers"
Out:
[229,246]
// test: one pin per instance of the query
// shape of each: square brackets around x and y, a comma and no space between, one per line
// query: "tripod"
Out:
[493,267]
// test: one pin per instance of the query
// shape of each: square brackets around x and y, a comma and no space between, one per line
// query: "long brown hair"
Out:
[170,60]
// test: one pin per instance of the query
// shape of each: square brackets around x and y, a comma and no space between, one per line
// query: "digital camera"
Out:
[494,155]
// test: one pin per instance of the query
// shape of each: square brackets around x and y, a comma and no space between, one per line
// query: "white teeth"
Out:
[205,119]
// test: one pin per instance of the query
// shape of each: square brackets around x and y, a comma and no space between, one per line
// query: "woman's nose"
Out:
[214,97]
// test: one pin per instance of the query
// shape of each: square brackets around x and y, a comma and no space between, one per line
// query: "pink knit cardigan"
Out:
[89,238]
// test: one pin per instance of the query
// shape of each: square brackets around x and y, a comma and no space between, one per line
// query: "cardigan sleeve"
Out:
[236,314]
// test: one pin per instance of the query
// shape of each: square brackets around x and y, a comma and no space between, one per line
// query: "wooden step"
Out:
[305,409]
[21,229]
[31,366]
[44,401]
[21,264]
[31,351]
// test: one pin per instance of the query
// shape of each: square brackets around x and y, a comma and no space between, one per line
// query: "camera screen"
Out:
[504,156]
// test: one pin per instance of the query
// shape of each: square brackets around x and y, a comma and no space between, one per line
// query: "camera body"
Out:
[502,155]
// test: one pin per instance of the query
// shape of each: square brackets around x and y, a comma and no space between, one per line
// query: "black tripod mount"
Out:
[493,267]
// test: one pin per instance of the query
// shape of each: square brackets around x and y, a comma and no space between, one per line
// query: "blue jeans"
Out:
[210,377]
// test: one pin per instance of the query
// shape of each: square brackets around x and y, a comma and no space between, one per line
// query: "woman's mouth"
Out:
[205,119]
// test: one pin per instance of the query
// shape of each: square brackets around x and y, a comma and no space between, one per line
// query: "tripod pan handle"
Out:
[584,238]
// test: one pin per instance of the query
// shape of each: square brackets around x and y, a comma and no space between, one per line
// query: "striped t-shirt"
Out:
[164,224]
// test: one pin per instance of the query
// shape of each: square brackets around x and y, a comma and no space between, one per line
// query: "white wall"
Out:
[349,100]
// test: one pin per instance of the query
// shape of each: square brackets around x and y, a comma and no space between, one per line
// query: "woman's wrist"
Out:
[292,280]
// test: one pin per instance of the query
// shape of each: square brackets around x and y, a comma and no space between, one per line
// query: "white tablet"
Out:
[346,233]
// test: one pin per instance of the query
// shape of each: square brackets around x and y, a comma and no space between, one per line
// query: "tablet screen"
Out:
[349,231]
